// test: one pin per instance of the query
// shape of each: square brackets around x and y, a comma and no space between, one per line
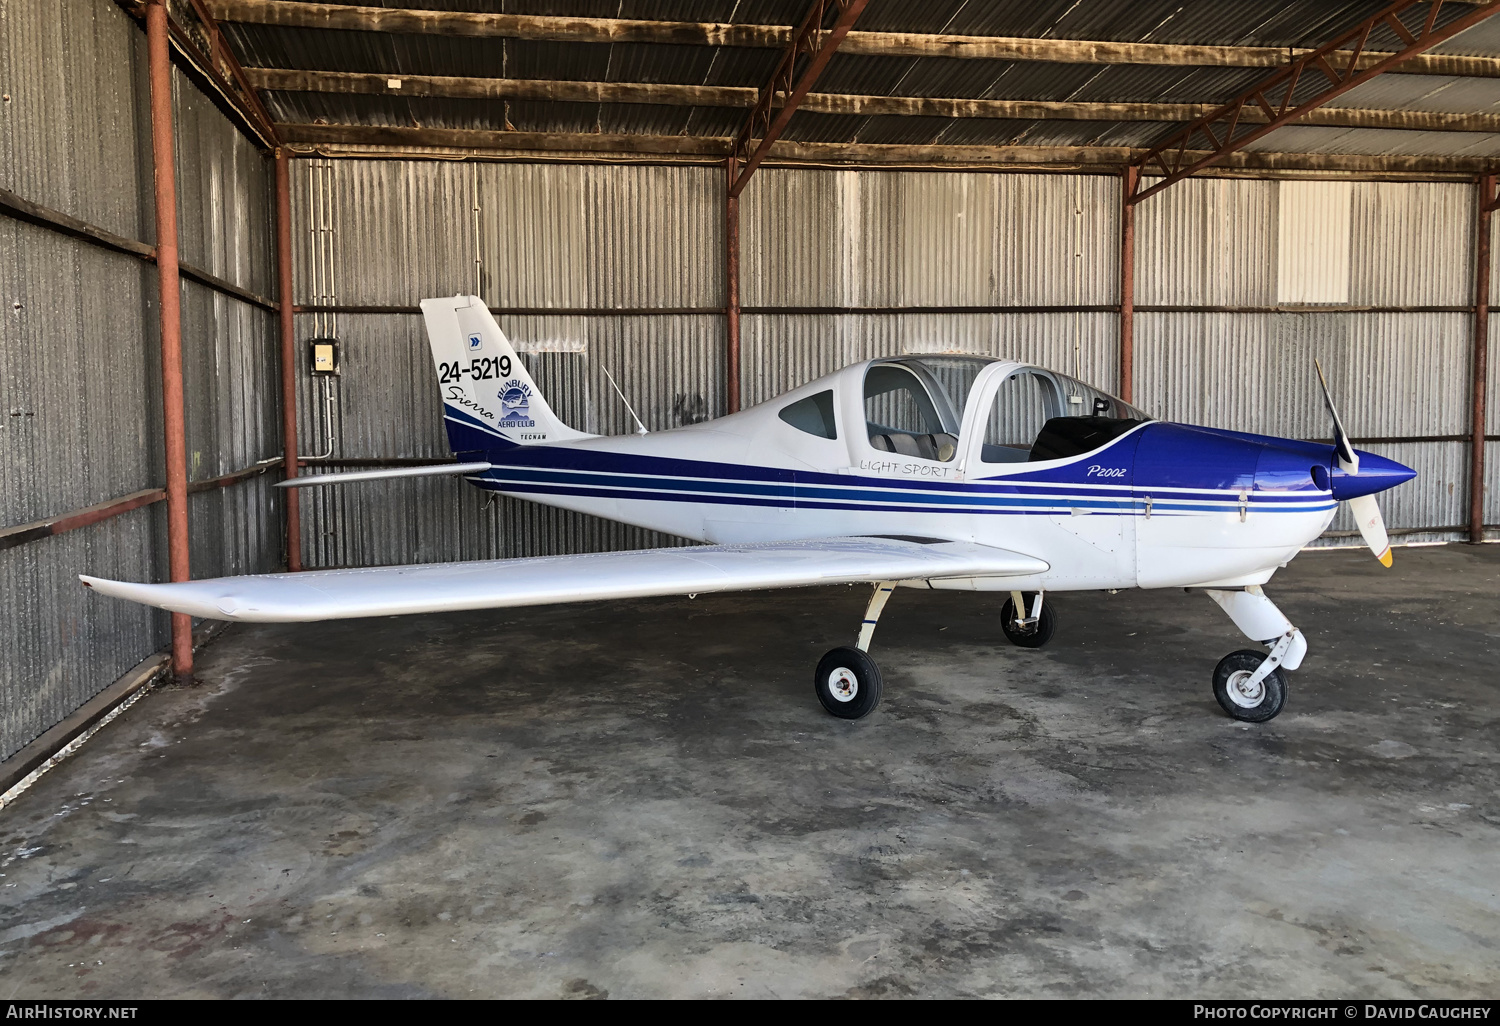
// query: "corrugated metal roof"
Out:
[1253,22]
[1483,40]
[1262,23]
[1317,139]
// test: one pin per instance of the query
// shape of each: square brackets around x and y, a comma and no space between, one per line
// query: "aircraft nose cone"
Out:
[1376,474]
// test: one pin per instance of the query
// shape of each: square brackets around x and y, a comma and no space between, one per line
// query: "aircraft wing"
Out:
[543,580]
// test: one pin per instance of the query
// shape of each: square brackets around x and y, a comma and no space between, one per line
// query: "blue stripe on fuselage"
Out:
[858,492]
[569,470]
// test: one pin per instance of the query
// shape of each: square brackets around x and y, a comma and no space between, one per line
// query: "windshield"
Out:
[1043,415]
[1084,400]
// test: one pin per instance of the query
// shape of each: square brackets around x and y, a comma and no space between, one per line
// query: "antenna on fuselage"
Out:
[642,428]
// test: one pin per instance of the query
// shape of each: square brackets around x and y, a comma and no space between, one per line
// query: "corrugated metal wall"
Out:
[231,348]
[371,233]
[851,253]
[1215,243]
[884,239]
[80,408]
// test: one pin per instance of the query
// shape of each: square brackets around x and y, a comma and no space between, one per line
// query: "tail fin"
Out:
[489,401]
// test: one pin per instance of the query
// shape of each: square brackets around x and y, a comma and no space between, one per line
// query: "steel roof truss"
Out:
[1227,117]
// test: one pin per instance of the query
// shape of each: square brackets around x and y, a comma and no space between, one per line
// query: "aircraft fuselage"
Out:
[1158,505]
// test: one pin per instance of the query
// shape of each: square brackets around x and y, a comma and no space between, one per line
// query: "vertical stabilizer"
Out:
[489,401]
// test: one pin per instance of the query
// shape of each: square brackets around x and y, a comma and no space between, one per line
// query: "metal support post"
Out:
[1128,182]
[732,287]
[1484,206]
[174,430]
[288,355]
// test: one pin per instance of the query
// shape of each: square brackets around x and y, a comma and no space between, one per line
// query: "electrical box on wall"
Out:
[323,355]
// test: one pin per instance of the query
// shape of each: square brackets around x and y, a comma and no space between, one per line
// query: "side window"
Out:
[813,415]
[901,417]
[1024,402]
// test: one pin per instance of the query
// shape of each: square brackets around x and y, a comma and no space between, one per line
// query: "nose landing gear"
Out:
[1248,685]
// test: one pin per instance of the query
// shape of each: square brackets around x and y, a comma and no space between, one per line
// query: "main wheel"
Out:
[1232,687]
[1035,636]
[848,683]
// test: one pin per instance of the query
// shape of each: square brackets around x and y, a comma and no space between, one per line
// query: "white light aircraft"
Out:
[949,472]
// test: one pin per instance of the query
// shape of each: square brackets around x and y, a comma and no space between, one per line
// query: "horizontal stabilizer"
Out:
[433,470]
[543,580]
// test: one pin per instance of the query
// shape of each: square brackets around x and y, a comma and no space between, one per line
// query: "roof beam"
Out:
[888,44]
[705,149]
[450,87]
[206,74]
[1170,153]
[787,86]
[455,87]
[219,51]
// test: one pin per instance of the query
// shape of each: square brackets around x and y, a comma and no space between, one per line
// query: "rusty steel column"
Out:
[732,287]
[288,355]
[1484,206]
[175,433]
[1128,182]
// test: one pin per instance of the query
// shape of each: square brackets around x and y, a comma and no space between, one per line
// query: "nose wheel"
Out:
[1245,693]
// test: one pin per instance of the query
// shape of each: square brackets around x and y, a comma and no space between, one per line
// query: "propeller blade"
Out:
[1348,458]
[1372,526]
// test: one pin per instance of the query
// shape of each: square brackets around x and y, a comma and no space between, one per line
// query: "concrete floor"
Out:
[646,800]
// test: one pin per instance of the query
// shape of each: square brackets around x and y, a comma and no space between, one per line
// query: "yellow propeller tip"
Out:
[1385,559]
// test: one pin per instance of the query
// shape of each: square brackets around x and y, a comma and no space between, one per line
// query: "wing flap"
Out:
[544,580]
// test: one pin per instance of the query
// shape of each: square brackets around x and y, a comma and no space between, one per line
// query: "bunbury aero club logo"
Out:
[515,404]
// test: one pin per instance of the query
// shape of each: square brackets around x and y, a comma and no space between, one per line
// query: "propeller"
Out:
[1366,511]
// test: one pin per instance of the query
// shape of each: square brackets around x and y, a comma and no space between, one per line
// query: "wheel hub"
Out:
[1242,692]
[843,684]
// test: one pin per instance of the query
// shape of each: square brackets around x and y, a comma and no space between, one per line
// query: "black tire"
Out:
[1033,637]
[855,692]
[1252,708]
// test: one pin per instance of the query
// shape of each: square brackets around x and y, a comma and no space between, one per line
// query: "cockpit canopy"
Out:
[915,405]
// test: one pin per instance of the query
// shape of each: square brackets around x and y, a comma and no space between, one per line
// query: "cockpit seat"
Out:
[939,447]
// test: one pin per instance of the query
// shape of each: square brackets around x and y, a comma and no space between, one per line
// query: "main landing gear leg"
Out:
[1028,624]
[847,680]
[1248,685]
